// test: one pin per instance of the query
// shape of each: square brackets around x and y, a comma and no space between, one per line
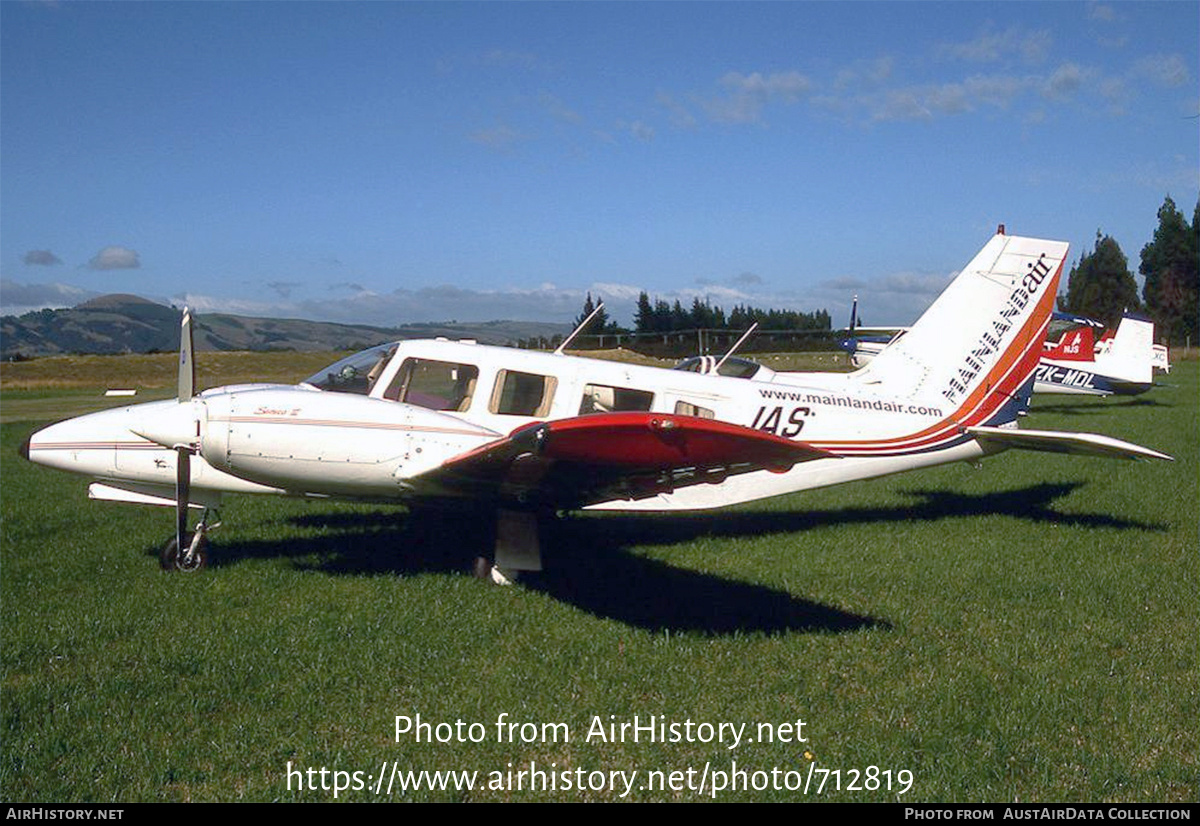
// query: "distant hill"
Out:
[113,324]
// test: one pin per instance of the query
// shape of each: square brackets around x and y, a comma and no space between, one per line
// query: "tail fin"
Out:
[1162,357]
[1075,345]
[1130,356]
[975,349]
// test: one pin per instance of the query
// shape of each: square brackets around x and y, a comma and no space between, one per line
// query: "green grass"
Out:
[1021,632]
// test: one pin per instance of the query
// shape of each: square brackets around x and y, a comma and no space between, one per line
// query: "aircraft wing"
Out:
[574,462]
[1086,444]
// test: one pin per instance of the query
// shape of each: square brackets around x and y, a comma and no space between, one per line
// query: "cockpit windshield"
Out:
[354,374]
[738,368]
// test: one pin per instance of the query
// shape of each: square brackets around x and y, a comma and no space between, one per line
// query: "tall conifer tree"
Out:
[1101,286]
[1172,271]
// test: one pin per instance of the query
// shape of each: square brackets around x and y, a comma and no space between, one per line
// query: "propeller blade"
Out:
[187,364]
[183,484]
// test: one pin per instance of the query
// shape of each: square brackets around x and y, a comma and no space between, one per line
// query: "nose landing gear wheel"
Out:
[194,558]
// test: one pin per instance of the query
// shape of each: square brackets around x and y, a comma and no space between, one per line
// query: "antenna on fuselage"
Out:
[717,370]
[559,350]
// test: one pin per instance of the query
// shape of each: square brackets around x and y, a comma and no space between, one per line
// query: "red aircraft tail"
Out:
[1075,345]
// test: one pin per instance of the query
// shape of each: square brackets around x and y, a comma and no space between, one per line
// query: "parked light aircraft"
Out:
[1121,362]
[862,349]
[521,433]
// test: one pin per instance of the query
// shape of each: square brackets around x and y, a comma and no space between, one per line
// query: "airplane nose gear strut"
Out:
[196,554]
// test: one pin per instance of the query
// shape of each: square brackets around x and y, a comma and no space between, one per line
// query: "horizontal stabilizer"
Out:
[1083,444]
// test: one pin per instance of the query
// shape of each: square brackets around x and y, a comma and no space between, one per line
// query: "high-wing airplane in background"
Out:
[520,434]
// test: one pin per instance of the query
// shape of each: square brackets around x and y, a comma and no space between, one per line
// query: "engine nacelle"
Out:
[315,442]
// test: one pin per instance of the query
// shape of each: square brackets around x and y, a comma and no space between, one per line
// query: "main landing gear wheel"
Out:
[194,558]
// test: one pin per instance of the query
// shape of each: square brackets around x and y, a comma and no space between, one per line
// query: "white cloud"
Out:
[679,114]
[1116,92]
[787,86]
[744,96]
[544,302]
[930,101]
[891,299]
[559,110]
[17,298]
[864,73]
[200,303]
[615,292]
[949,99]
[993,47]
[900,104]
[996,90]
[1065,81]
[115,258]
[641,131]
[1165,70]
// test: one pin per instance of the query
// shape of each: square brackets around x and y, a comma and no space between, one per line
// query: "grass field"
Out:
[1026,631]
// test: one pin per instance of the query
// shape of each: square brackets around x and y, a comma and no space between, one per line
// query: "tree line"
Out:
[661,318]
[658,316]
[1101,286]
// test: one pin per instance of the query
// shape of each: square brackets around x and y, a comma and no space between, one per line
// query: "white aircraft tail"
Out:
[974,350]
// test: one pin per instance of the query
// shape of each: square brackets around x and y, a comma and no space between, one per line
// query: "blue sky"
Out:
[393,162]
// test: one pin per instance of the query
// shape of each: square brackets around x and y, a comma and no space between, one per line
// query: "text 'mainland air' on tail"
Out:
[975,348]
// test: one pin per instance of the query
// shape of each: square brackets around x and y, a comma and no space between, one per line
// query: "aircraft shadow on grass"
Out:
[1086,406]
[593,570]
[590,571]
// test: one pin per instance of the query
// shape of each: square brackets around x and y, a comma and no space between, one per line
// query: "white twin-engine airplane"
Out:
[522,434]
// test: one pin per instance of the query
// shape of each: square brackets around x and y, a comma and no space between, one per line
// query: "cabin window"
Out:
[600,398]
[434,385]
[689,409]
[522,394]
